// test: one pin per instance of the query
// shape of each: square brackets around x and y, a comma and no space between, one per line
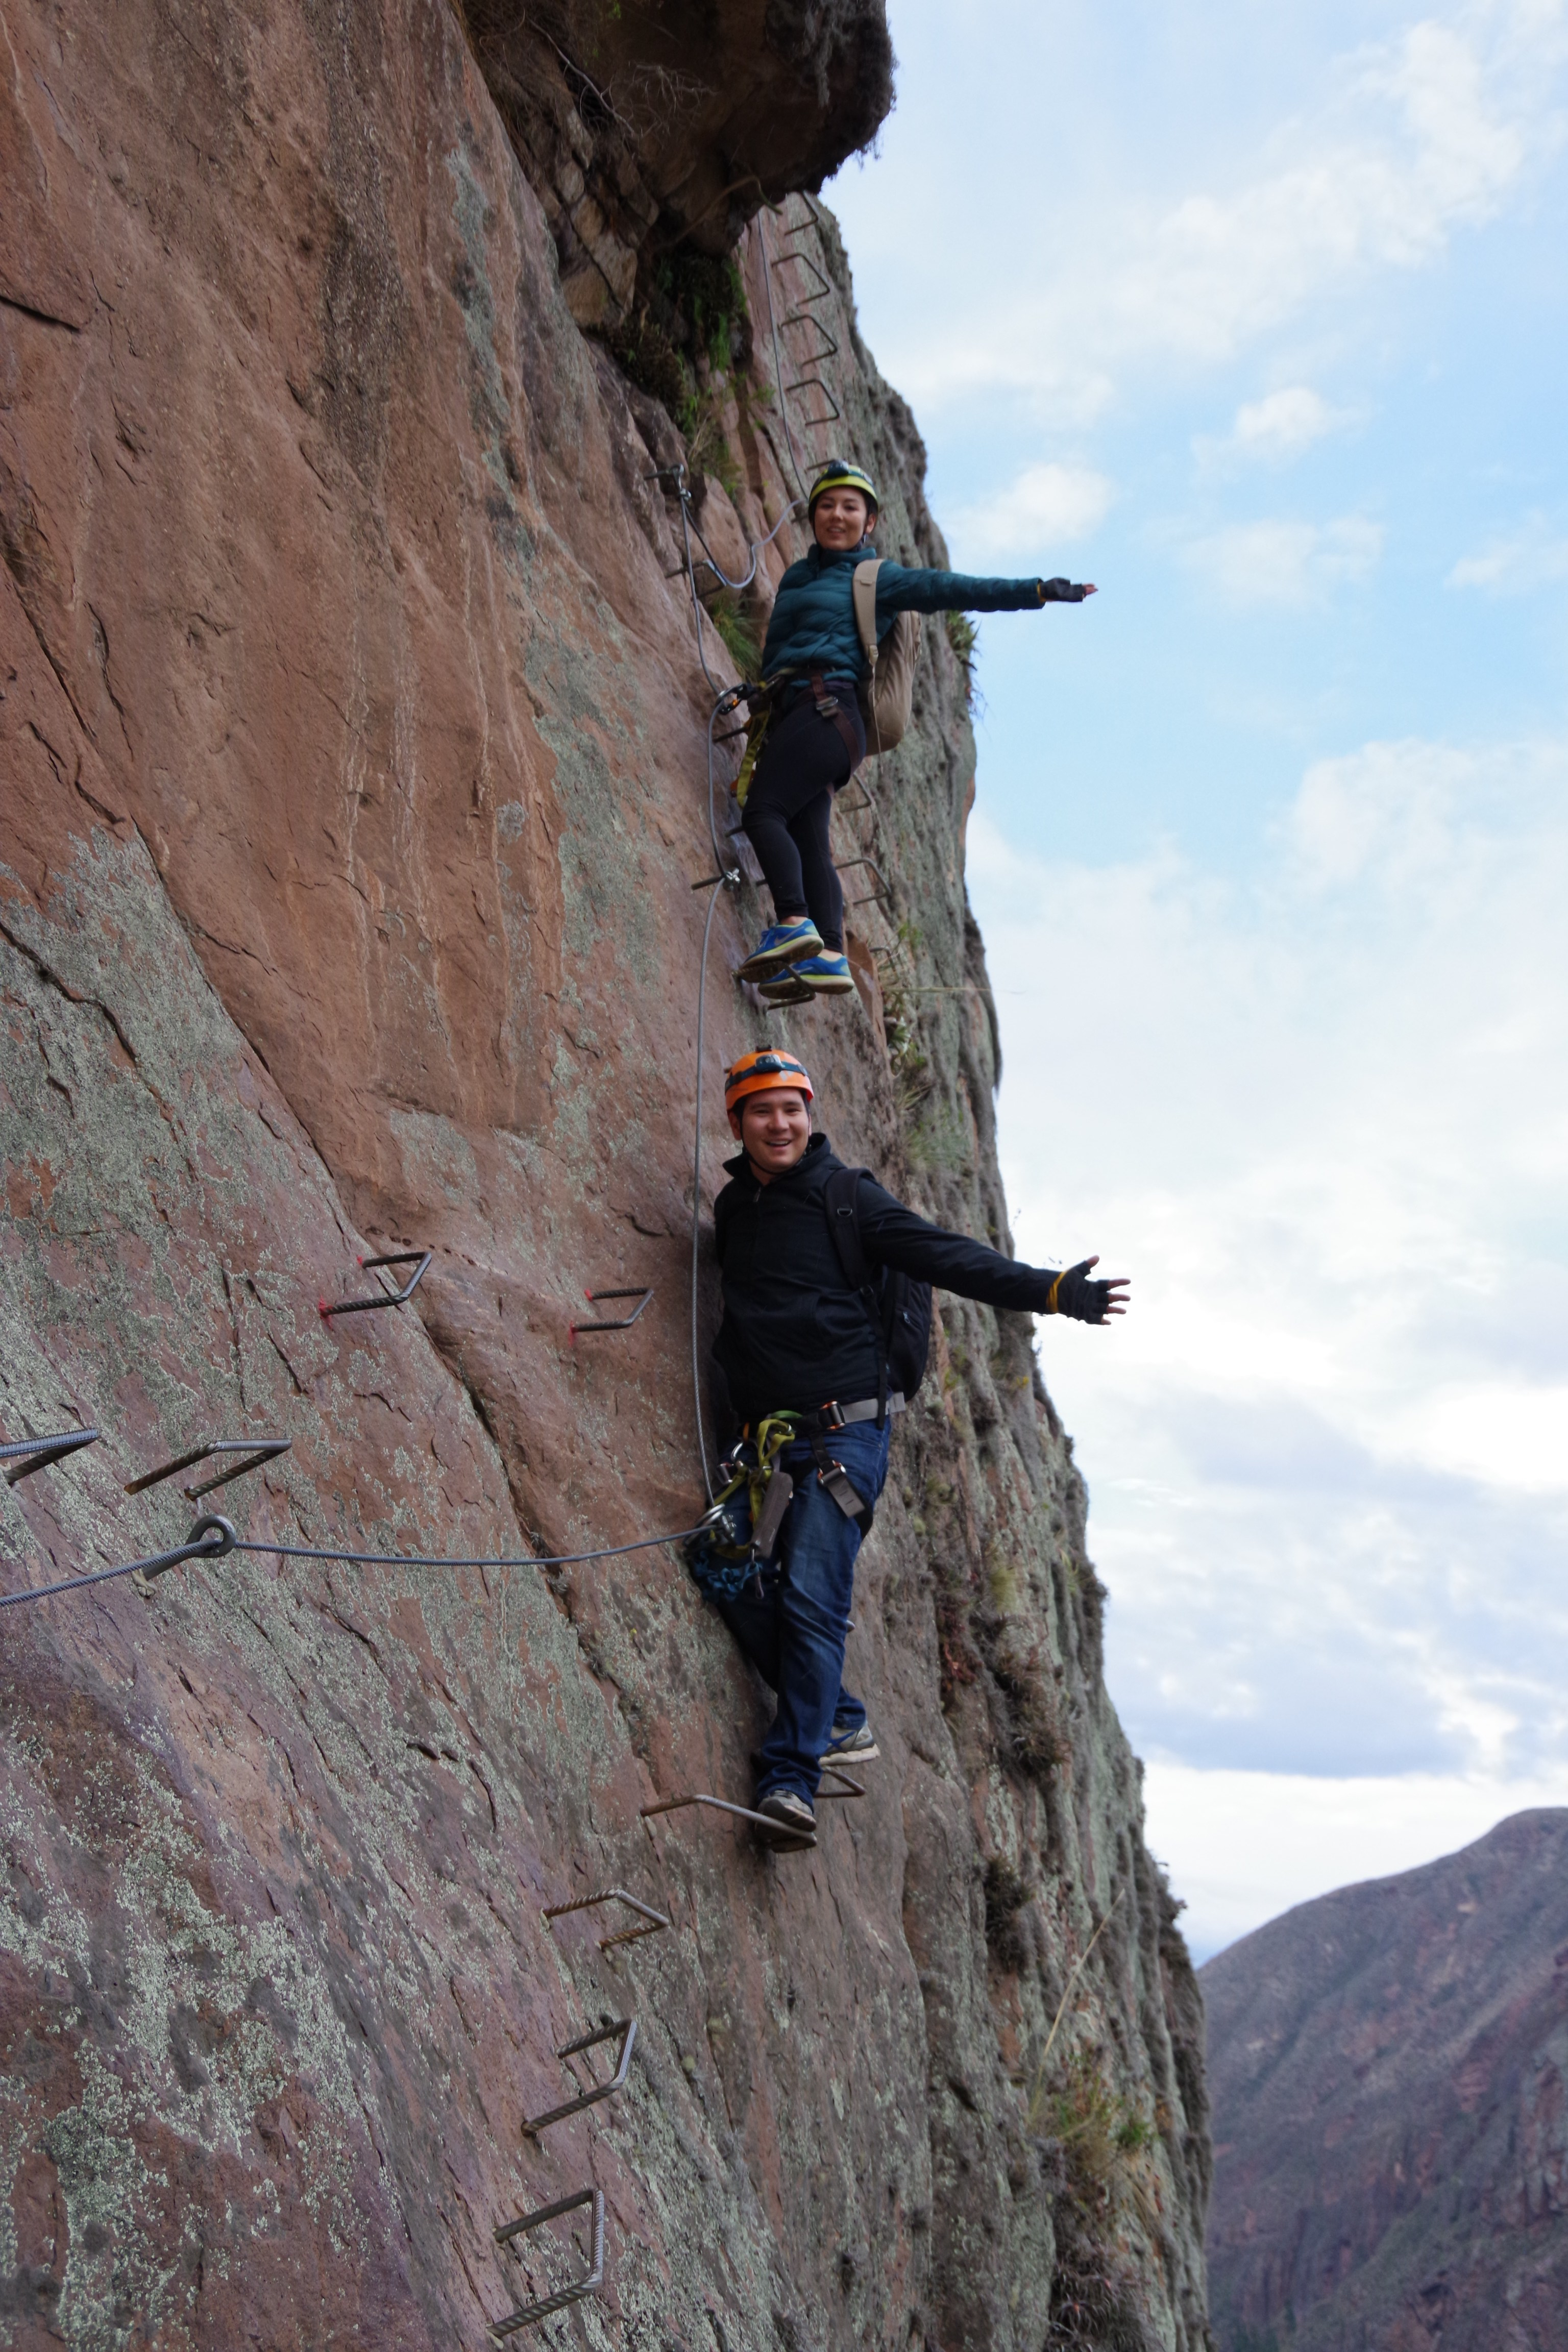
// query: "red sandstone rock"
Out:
[352,750]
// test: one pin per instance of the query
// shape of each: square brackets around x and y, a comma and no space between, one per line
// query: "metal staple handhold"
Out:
[879,892]
[656,1919]
[257,1450]
[527,2313]
[851,1788]
[720,1805]
[627,2027]
[30,1453]
[384,1298]
[641,1292]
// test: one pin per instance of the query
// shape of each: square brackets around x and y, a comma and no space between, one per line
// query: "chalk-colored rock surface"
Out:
[353,793]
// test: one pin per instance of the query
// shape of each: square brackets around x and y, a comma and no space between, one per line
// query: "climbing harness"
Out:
[757,718]
[829,708]
[739,1534]
[816,1428]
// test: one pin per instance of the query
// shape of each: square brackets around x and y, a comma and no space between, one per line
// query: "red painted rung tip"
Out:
[572,1333]
[321,1307]
[359,1261]
[589,1297]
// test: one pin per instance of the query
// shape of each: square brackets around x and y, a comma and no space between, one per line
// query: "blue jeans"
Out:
[794,1634]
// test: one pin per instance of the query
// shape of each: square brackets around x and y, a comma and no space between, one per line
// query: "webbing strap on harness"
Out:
[829,707]
[833,1477]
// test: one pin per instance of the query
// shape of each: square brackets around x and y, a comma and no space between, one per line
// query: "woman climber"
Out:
[814,662]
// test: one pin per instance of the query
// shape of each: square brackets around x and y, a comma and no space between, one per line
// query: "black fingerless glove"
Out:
[1060,591]
[1075,1293]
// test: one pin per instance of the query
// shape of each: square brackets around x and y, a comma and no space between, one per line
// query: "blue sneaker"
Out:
[781,944]
[826,974]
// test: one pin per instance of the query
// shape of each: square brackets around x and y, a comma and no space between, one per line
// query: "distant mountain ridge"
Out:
[1387,2067]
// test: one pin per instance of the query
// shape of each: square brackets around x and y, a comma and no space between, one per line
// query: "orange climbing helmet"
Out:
[755,1072]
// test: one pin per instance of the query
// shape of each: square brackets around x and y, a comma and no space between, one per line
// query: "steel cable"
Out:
[429,1559]
[697,1193]
[215,1539]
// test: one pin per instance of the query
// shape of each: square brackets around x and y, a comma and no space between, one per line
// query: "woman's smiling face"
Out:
[841,519]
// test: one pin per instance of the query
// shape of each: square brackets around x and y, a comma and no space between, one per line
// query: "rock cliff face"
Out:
[1388,2069]
[352,749]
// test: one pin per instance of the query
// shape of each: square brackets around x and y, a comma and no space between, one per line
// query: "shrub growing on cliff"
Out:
[962,635]
[688,321]
[1006,1896]
[742,642]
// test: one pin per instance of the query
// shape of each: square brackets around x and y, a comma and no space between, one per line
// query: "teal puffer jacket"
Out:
[813,623]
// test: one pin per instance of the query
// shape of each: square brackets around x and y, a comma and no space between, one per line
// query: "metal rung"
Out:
[805,262]
[624,2026]
[527,2313]
[851,1788]
[800,994]
[257,1450]
[881,891]
[26,1454]
[814,383]
[805,319]
[385,1297]
[656,1919]
[641,1292]
[720,1805]
[868,799]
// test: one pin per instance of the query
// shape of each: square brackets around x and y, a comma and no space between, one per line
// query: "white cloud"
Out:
[1278,562]
[1321,1119]
[1047,505]
[1276,428]
[1243,1847]
[1413,140]
[1535,556]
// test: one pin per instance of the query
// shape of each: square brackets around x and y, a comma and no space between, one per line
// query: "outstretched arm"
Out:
[905,590]
[893,1235]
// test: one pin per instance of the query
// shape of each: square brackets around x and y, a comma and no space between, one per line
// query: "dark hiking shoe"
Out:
[781,944]
[796,1823]
[856,1747]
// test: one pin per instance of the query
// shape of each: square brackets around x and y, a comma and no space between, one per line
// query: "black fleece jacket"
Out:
[794,1335]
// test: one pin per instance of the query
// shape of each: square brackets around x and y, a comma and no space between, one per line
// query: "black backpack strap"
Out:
[841,1201]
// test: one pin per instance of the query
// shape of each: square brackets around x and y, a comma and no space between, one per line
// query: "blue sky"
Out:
[1256,315]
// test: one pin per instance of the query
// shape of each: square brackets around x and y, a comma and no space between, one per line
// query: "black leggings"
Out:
[788,809]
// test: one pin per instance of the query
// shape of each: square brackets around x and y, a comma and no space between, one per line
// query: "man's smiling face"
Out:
[773,1126]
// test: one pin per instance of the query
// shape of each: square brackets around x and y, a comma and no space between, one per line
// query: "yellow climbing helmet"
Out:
[753,1072]
[836,475]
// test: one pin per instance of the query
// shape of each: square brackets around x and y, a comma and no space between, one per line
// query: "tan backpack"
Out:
[887,691]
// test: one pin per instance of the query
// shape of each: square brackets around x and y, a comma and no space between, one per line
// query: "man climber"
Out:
[801,1341]
[813,662]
